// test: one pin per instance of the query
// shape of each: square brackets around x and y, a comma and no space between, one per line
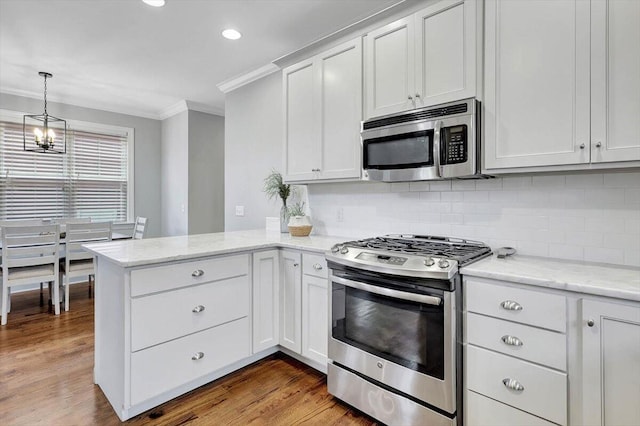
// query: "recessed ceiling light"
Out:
[154,3]
[231,34]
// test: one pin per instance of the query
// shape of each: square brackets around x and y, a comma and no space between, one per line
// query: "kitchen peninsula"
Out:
[172,314]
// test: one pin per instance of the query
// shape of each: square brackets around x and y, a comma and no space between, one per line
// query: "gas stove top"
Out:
[409,255]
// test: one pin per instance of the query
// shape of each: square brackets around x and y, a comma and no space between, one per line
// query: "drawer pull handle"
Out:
[510,305]
[200,308]
[511,340]
[317,266]
[197,273]
[197,356]
[513,385]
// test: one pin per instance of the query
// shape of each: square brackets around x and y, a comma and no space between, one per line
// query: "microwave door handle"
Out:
[436,148]
[383,291]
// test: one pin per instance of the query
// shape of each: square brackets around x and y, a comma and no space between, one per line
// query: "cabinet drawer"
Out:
[169,277]
[536,308]
[545,390]
[540,346]
[167,366]
[314,264]
[164,316]
[483,411]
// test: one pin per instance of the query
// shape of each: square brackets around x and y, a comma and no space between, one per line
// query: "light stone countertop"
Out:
[583,277]
[130,253]
[599,279]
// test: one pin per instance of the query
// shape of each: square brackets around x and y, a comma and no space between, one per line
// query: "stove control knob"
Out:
[443,263]
[335,248]
[429,261]
[344,250]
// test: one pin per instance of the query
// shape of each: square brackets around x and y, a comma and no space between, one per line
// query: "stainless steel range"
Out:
[395,346]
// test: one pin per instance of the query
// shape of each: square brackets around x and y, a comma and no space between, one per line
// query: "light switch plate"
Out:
[239,210]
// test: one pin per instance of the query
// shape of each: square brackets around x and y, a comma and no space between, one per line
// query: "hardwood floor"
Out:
[46,378]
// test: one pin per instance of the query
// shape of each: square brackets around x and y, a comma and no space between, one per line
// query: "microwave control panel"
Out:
[454,145]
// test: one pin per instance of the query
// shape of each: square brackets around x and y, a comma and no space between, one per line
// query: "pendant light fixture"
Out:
[44,132]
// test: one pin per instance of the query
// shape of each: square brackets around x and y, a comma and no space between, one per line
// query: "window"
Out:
[92,179]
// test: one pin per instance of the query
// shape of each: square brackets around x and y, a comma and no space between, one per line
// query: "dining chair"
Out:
[123,228]
[29,255]
[140,228]
[78,262]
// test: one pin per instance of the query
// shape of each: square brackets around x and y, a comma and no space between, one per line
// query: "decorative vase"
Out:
[284,219]
[300,226]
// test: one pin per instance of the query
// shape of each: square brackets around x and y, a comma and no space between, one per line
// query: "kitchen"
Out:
[578,209]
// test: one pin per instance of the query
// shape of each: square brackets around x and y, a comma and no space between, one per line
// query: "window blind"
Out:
[90,180]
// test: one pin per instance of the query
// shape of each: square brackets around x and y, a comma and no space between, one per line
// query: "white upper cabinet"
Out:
[562,83]
[323,110]
[424,59]
[615,80]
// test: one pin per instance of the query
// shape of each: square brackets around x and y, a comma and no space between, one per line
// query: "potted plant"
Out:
[299,223]
[275,187]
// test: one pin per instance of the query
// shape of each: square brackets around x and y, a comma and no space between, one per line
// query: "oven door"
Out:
[402,339]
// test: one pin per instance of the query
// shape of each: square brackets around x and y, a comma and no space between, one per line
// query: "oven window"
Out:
[399,151]
[407,333]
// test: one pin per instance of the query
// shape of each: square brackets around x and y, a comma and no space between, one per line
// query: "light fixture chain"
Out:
[45,95]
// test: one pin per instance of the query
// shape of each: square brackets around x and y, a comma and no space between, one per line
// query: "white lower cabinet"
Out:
[304,306]
[610,363]
[515,355]
[266,299]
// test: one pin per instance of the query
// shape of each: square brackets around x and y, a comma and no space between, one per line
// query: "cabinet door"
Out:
[611,364]
[446,52]
[339,73]
[315,318]
[390,68]
[536,107]
[301,132]
[290,301]
[615,80]
[266,282]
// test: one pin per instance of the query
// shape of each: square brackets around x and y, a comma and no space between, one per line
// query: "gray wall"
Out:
[175,174]
[147,167]
[206,173]
[253,146]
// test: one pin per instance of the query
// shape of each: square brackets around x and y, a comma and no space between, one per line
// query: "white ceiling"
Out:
[125,56]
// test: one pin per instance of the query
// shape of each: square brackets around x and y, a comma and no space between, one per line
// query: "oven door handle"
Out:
[383,291]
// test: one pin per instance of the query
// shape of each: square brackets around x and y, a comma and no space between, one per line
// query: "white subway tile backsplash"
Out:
[581,216]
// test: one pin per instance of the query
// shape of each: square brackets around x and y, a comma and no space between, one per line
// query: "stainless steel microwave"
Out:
[437,142]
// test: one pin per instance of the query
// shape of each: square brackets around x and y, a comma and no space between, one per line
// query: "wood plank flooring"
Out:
[46,378]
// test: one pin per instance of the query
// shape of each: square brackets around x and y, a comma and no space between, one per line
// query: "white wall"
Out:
[583,216]
[253,146]
[206,173]
[175,174]
[146,156]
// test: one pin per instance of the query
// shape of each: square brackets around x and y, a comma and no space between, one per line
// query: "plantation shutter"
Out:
[90,180]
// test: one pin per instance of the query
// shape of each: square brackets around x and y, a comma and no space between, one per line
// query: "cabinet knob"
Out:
[598,144]
[197,356]
[510,305]
[197,273]
[591,323]
[295,265]
[511,340]
[417,95]
[198,309]
[513,385]
[581,146]
[410,97]
[317,266]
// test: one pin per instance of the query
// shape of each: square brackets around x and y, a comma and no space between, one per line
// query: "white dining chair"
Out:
[29,255]
[123,229]
[140,228]
[78,262]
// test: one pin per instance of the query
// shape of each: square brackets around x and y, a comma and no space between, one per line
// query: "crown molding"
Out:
[241,80]
[174,109]
[185,105]
[207,109]
[91,105]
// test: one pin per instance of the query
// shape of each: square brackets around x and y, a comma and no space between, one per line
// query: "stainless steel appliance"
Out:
[395,345]
[438,142]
